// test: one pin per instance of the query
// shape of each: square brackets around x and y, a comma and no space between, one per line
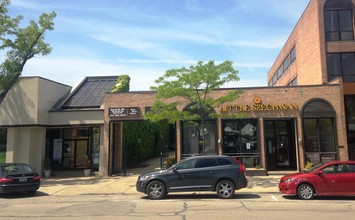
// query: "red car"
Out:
[335,178]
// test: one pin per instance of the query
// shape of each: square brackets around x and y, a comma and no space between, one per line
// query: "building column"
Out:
[10,148]
[262,158]
[219,136]
[178,141]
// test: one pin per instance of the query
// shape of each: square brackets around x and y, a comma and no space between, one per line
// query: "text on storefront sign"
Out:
[124,112]
[258,106]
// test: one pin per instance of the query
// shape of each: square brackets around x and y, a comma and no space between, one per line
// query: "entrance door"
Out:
[280,144]
[75,154]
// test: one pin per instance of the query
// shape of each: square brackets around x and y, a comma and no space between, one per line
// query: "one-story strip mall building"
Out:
[306,114]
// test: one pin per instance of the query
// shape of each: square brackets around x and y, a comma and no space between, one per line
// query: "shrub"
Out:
[171,160]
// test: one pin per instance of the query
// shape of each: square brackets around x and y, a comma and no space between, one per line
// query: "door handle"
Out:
[189,174]
[212,172]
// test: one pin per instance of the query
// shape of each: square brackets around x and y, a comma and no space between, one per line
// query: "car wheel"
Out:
[225,189]
[156,190]
[305,191]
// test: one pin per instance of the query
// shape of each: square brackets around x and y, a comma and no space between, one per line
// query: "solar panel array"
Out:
[90,93]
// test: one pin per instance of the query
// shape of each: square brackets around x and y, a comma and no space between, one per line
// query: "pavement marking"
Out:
[274,198]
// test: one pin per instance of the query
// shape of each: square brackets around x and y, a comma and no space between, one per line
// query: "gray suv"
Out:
[219,173]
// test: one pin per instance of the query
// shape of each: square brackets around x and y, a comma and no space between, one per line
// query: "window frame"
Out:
[334,14]
[336,66]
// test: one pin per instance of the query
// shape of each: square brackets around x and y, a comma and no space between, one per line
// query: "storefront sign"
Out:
[258,106]
[124,112]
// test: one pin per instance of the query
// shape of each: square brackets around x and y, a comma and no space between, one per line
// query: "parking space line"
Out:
[274,198]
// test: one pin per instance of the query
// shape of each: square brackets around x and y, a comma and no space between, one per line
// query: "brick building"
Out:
[268,136]
[319,51]
[307,114]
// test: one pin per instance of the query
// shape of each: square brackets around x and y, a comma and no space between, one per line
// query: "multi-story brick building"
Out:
[321,50]
[314,73]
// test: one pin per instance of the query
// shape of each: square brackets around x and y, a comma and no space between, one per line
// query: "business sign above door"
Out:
[258,106]
[124,112]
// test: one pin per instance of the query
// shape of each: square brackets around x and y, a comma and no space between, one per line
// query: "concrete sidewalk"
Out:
[125,184]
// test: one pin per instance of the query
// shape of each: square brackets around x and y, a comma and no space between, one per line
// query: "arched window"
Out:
[319,131]
[199,137]
[338,15]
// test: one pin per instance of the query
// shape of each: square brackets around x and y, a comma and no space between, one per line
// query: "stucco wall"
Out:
[76,118]
[29,100]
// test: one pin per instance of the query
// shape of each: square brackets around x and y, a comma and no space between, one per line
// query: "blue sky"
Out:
[144,38]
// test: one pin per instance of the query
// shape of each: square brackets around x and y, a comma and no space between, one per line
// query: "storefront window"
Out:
[3,138]
[199,138]
[72,133]
[71,148]
[350,120]
[350,113]
[319,132]
[240,139]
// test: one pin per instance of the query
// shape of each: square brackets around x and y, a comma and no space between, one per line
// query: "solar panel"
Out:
[90,93]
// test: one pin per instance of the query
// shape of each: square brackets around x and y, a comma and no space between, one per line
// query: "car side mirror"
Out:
[320,172]
[174,169]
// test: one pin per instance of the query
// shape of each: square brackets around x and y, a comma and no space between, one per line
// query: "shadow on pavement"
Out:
[22,195]
[194,196]
[70,181]
[321,198]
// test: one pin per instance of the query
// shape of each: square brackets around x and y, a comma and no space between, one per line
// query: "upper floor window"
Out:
[293,82]
[291,56]
[338,20]
[341,65]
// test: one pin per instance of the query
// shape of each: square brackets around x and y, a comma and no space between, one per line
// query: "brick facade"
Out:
[271,98]
[310,69]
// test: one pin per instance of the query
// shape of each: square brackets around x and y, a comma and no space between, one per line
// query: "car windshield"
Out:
[313,168]
[16,169]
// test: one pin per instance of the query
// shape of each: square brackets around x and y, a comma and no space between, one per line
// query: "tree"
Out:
[194,87]
[122,84]
[22,44]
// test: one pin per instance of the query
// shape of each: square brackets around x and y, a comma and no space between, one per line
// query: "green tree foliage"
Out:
[193,85]
[143,140]
[21,44]
[122,84]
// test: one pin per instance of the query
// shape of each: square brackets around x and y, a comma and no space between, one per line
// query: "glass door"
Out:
[81,154]
[279,144]
[69,154]
[283,153]
[75,154]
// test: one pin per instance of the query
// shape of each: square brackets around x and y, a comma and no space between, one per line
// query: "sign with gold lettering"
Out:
[258,106]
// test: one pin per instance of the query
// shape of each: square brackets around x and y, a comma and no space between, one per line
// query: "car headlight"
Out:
[290,180]
[142,178]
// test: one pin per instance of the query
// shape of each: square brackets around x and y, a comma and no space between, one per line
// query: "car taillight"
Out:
[241,165]
[5,180]
[36,179]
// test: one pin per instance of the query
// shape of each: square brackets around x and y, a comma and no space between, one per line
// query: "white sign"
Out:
[57,149]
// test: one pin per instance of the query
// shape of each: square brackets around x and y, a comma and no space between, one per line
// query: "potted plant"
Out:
[87,170]
[47,167]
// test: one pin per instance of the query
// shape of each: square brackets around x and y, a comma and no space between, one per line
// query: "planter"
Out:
[47,173]
[87,172]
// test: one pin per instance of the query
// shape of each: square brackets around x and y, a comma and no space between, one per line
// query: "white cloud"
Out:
[69,70]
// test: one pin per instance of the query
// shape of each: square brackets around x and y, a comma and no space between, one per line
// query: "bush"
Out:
[308,165]
[143,140]
[171,160]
